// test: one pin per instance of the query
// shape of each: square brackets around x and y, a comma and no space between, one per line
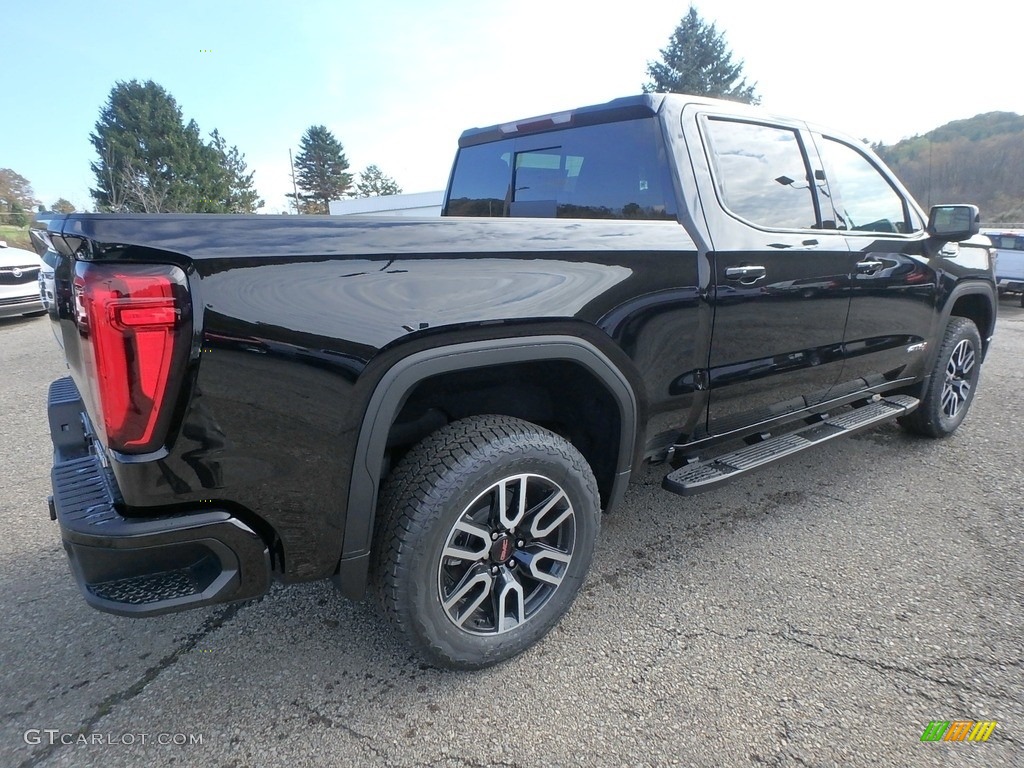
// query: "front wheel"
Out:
[953,382]
[486,531]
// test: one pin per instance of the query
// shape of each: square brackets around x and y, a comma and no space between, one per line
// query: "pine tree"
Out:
[320,170]
[151,161]
[698,62]
[373,182]
[235,186]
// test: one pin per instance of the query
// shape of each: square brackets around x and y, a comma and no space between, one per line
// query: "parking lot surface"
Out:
[820,613]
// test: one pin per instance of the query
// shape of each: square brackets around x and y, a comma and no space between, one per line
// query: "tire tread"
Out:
[412,496]
[927,419]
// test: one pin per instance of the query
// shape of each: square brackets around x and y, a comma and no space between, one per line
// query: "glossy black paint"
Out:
[818,325]
[298,319]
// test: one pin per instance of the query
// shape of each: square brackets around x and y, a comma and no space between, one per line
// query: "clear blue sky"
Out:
[398,81]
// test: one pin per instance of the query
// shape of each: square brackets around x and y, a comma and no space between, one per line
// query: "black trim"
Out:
[396,384]
[141,566]
[967,288]
[151,566]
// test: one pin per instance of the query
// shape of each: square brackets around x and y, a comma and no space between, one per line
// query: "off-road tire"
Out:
[951,389]
[438,500]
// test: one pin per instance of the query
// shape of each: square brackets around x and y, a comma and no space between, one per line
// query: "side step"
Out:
[706,475]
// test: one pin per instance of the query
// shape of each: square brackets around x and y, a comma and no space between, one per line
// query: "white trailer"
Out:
[413,204]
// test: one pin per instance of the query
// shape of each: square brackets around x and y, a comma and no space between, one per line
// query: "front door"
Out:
[892,284]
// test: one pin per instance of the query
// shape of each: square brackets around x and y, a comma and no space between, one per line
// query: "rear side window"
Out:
[761,173]
[608,171]
[480,184]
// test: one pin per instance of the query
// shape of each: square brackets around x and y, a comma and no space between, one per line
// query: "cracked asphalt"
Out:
[819,613]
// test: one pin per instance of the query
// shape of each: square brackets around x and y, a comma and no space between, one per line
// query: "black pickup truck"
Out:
[438,411]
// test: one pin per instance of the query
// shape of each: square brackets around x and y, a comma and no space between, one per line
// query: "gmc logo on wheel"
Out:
[505,549]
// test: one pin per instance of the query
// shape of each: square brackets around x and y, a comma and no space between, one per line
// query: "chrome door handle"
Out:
[748,275]
[869,266]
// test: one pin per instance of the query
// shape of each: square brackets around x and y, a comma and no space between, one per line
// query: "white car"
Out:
[19,282]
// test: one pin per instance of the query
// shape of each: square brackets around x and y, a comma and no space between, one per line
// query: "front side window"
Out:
[863,198]
[761,173]
[606,171]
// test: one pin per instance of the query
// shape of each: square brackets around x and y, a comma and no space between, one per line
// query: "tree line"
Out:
[322,174]
[151,161]
[979,160]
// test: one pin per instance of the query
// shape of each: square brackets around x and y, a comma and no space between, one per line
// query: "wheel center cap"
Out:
[502,549]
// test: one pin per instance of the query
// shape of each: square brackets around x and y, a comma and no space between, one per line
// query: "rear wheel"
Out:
[486,531]
[953,382]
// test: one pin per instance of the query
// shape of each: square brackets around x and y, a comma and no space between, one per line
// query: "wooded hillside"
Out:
[979,160]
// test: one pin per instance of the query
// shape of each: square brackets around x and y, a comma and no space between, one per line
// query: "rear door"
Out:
[780,268]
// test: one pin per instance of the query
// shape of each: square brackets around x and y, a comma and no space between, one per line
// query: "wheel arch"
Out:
[402,379]
[977,302]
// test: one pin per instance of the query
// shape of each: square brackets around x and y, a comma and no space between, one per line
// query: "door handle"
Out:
[747,275]
[869,266]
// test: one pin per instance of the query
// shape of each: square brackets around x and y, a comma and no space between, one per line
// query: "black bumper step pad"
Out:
[151,588]
[705,475]
[85,493]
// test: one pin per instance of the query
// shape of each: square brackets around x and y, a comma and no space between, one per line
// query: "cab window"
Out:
[862,197]
[606,171]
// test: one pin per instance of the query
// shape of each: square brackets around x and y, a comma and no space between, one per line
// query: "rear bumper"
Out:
[136,566]
[1014,284]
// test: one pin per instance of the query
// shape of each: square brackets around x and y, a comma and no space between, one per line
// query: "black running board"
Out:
[706,475]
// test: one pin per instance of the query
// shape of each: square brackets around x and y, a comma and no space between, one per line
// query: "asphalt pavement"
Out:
[819,613]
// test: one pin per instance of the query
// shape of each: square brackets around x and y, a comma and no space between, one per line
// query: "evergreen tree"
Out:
[373,182]
[697,61]
[235,186]
[320,170]
[151,161]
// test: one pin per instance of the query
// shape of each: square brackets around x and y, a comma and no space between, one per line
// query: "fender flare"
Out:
[968,288]
[398,381]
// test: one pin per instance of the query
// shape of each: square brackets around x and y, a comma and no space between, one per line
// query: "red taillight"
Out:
[134,324]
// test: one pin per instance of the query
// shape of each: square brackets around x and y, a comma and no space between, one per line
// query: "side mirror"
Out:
[954,222]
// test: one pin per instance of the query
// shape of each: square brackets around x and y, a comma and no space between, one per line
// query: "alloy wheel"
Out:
[506,555]
[959,372]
